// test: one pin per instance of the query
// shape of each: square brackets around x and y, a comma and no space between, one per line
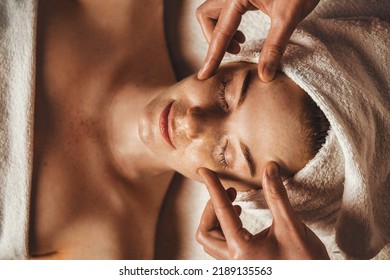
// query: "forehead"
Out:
[232,67]
[268,123]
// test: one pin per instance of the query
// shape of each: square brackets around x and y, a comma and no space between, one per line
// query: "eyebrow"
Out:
[248,158]
[244,88]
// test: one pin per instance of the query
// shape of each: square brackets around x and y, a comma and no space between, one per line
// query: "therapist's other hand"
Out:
[222,235]
[220,19]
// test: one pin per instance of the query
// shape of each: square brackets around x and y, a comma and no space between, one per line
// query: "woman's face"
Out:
[231,123]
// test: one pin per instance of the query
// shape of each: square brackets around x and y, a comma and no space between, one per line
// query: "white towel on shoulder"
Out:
[17,83]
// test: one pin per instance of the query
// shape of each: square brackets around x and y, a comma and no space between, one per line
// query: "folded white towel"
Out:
[17,83]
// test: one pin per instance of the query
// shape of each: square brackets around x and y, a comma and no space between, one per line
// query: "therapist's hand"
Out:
[220,19]
[222,235]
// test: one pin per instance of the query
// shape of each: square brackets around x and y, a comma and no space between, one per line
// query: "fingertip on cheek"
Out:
[200,175]
[200,172]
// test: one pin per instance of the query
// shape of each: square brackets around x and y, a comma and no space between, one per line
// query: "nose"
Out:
[194,122]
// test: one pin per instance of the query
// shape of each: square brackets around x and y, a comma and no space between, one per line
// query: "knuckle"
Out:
[199,13]
[202,12]
[274,51]
[223,32]
[275,194]
[200,236]
[224,208]
[241,5]
[275,190]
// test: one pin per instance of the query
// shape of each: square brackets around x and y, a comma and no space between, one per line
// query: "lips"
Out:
[164,121]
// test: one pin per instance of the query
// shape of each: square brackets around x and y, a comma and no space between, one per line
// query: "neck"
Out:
[144,73]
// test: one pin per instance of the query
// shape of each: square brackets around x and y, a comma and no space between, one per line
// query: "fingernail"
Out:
[268,73]
[201,72]
[273,171]
[232,193]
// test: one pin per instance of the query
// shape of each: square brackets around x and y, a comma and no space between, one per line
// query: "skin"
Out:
[97,154]
[91,171]
[266,121]
[220,19]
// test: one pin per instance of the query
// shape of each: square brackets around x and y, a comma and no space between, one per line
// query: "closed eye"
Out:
[222,157]
[221,95]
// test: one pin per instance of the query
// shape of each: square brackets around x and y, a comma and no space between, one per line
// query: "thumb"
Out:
[273,50]
[276,194]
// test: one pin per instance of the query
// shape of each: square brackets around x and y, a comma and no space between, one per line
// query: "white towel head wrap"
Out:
[342,64]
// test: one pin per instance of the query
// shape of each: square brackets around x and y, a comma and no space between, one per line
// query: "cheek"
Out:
[239,183]
[188,160]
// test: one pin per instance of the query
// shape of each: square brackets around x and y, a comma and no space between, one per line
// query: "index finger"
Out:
[227,216]
[226,27]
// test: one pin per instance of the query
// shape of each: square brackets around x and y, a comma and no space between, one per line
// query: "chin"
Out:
[145,129]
